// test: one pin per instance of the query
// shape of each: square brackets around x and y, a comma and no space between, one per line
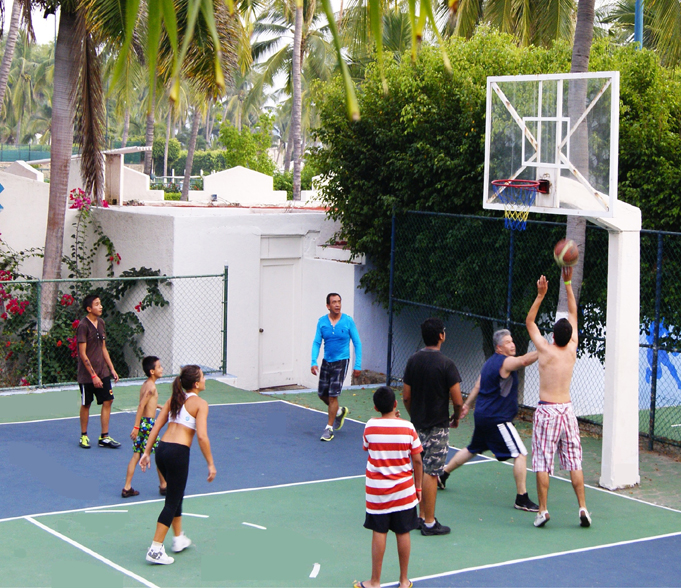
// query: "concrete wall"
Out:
[242,186]
[23,222]
[136,187]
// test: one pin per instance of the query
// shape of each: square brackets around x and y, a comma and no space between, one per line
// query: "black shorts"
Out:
[402,521]
[331,377]
[88,392]
[501,439]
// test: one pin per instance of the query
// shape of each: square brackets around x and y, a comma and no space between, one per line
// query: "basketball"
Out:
[566,253]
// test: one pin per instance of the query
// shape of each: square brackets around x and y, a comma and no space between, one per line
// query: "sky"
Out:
[43,27]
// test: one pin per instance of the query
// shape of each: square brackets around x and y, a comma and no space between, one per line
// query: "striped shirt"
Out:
[389,475]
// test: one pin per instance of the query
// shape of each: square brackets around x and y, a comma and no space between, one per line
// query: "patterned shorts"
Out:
[555,427]
[435,443]
[140,444]
[331,377]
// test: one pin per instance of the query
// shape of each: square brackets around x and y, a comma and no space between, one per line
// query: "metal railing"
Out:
[479,277]
[180,319]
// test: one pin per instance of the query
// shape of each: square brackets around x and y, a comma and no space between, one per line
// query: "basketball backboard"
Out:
[563,128]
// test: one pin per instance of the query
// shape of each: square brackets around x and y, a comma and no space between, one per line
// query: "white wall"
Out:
[23,222]
[136,187]
[243,186]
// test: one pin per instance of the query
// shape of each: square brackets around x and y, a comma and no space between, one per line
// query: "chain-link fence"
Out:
[479,277]
[180,319]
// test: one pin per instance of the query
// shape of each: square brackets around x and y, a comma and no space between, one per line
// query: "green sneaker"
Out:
[84,442]
[108,442]
[340,419]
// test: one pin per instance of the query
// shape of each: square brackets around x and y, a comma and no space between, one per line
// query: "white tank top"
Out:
[183,417]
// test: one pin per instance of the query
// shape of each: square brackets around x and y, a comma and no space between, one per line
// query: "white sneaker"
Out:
[584,518]
[159,556]
[180,543]
[542,518]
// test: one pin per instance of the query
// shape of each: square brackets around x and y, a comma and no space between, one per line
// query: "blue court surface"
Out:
[287,510]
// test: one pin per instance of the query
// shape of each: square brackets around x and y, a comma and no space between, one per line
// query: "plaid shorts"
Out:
[331,377]
[555,427]
[435,441]
[140,444]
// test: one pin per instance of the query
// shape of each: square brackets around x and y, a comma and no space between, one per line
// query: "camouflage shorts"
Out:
[140,443]
[435,443]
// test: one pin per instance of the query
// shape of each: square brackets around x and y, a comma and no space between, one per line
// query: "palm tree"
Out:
[309,51]
[531,22]
[21,11]
[69,51]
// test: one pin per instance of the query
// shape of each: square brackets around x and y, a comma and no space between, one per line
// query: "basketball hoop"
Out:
[517,196]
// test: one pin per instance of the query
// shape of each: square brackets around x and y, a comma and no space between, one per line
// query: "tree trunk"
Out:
[297,97]
[9,49]
[66,61]
[165,151]
[126,128]
[149,135]
[190,155]
[207,135]
[579,145]
[17,132]
[287,155]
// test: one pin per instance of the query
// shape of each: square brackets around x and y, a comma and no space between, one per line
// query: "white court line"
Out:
[94,554]
[97,511]
[198,516]
[315,570]
[539,557]
[610,492]
[316,410]
[206,494]
[130,411]
[255,526]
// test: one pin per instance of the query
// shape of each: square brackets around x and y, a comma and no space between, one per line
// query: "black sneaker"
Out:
[419,524]
[523,502]
[442,480]
[108,442]
[436,529]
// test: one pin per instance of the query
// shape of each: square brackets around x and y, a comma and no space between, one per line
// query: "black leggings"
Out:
[172,460]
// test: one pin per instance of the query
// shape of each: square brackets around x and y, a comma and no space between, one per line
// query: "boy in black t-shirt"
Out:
[431,380]
[95,371]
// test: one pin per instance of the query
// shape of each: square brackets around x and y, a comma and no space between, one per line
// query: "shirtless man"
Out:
[555,424]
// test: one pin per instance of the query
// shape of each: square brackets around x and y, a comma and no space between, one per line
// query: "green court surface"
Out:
[317,522]
[308,524]
[54,404]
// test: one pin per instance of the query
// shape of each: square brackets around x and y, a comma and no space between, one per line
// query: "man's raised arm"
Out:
[571,301]
[532,328]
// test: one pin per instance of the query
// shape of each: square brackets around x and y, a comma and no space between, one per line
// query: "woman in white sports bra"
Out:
[185,414]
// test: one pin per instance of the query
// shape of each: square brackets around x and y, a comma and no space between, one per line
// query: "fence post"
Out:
[224,320]
[656,338]
[390,302]
[509,294]
[38,321]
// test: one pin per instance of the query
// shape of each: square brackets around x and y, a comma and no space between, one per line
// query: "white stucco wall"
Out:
[242,186]
[23,222]
[136,187]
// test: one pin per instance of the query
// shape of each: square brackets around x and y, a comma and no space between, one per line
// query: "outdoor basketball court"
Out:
[287,510]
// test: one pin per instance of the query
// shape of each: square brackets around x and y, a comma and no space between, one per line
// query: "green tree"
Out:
[248,148]
[423,148]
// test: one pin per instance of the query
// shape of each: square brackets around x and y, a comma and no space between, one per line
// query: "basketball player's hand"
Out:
[97,382]
[567,273]
[454,421]
[419,495]
[464,411]
[356,373]
[145,462]
[133,435]
[211,473]
[315,370]
[397,413]
[114,375]
[542,286]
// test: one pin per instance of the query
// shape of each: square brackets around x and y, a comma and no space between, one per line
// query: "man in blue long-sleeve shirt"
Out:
[336,330]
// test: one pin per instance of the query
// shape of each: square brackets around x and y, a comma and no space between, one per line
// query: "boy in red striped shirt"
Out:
[394,476]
